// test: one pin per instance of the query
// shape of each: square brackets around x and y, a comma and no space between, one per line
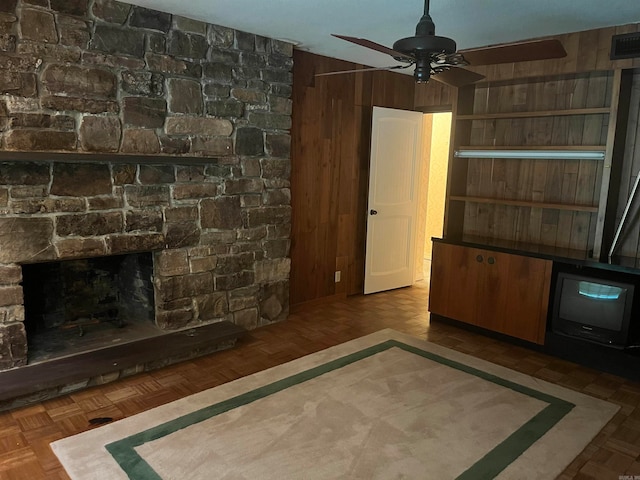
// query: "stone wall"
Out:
[206,110]
[104,76]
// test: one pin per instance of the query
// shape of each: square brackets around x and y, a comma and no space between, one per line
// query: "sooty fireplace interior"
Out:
[76,305]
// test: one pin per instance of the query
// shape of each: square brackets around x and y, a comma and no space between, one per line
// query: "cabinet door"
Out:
[454,282]
[493,290]
[527,298]
[440,279]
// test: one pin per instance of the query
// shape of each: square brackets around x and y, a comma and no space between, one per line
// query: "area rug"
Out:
[386,405]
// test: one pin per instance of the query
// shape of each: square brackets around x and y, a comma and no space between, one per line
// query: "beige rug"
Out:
[383,406]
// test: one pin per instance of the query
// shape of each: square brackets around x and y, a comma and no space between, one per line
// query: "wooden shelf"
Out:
[542,113]
[524,203]
[79,157]
[511,246]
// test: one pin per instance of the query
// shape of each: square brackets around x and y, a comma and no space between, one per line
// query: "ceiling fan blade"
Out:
[515,52]
[361,70]
[457,77]
[376,46]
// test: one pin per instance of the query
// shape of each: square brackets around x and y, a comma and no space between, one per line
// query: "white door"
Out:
[396,151]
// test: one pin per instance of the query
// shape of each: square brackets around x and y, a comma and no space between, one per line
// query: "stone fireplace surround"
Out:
[122,130]
[213,259]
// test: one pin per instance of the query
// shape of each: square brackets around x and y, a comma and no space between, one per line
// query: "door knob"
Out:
[373,212]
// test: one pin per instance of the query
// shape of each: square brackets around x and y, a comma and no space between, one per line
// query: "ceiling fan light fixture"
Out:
[422,72]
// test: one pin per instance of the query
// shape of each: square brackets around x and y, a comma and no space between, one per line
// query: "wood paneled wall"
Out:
[330,152]
[587,51]
[434,97]
[330,170]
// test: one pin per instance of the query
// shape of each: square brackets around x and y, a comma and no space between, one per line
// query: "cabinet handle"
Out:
[479,258]
[491,260]
[373,212]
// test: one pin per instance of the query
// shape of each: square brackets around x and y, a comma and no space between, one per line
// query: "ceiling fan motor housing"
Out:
[425,43]
[422,48]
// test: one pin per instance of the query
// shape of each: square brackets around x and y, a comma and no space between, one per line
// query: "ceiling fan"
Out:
[437,56]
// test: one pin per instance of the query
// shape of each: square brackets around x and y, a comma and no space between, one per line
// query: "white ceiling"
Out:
[471,23]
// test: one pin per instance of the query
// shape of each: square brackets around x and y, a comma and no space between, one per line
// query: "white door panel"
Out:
[395,231]
[396,150]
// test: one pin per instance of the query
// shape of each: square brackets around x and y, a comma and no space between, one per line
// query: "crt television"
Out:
[594,309]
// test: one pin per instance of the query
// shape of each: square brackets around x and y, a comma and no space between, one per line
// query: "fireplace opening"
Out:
[74,306]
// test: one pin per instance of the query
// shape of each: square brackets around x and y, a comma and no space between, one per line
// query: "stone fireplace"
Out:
[125,130]
[213,259]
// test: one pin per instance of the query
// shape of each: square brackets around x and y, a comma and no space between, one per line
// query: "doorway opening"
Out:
[437,135]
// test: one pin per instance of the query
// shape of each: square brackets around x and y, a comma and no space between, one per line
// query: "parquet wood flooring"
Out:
[25,433]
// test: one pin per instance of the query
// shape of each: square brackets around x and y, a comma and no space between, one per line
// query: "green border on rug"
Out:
[123,451]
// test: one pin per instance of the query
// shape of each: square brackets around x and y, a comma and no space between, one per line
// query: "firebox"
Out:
[84,304]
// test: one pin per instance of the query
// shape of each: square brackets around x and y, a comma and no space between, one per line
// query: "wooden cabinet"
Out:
[502,292]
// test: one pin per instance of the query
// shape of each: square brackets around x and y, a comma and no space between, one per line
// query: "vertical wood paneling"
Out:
[434,96]
[455,212]
[330,139]
[587,51]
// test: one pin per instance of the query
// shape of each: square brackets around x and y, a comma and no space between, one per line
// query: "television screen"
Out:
[592,308]
[594,304]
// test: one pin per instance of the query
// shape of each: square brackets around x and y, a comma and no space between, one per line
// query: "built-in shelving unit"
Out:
[531,162]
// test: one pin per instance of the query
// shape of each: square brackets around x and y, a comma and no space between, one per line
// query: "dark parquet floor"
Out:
[25,433]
